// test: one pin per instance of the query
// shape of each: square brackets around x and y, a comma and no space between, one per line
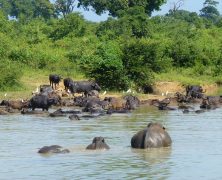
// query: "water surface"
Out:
[196,152]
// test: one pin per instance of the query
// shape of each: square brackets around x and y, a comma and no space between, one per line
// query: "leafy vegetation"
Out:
[130,49]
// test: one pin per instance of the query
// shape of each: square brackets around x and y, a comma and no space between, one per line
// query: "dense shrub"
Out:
[128,51]
[10,75]
[106,67]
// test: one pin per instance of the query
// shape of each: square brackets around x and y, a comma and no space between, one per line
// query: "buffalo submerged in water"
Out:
[153,136]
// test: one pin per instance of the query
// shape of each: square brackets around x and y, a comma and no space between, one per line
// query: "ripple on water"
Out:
[196,151]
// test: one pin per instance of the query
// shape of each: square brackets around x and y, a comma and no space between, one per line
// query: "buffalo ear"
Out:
[150,124]
[94,84]
[94,140]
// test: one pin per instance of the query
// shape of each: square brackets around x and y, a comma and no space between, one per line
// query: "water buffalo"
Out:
[180,98]
[54,79]
[30,112]
[194,91]
[60,113]
[83,87]
[67,83]
[163,104]
[3,112]
[211,102]
[132,102]
[45,89]
[57,97]
[57,113]
[74,117]
[94,104]
[53,149]
[98,143]
[93,93]
[121,111]
[42,101]
[16,104]
[115,103]
[154,136]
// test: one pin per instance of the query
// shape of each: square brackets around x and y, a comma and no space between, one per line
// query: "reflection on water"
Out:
[153,155]
[196,151]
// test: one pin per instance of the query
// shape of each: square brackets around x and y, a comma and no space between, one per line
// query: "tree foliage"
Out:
[209,11]
[27,9]
[106,67]
[64,7]
[113,7]
[124,51]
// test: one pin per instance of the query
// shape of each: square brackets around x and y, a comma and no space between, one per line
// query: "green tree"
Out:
[209,10]
[131,23]
[101,6]
[27,9]
[10,75]
[190,17]
[5,7]
[73,25]
[43,8]
[64,7]
[21,9]
[106,66]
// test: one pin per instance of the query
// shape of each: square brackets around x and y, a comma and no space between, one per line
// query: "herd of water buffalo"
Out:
[90,105]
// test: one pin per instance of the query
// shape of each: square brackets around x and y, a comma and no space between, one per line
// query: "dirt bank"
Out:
[164,88]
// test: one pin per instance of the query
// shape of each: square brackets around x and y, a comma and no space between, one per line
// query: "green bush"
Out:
[106,67]
[10,75]
[72,25]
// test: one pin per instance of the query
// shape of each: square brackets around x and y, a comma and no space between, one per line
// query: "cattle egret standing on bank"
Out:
[104,93]
[129,91]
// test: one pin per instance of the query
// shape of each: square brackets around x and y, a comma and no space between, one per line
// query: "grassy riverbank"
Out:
[170,82]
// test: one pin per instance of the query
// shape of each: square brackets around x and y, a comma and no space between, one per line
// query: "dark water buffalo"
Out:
[181,98]
[211,102]
[98,143]
[30,112]
[194,91]
[45,89]
[54,79]
[82,101]
[122,111]
[214,100]
[53,149]
[163,104]
[54,95]
[154,136]
[84,87]
[95,105]
[4,103]
[132,102]
[57,113]
[93,93]
[42,101]
[74,117]
[67,83]
[186,111]
[61,113]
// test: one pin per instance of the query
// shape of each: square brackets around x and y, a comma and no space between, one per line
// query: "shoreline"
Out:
[161,90]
